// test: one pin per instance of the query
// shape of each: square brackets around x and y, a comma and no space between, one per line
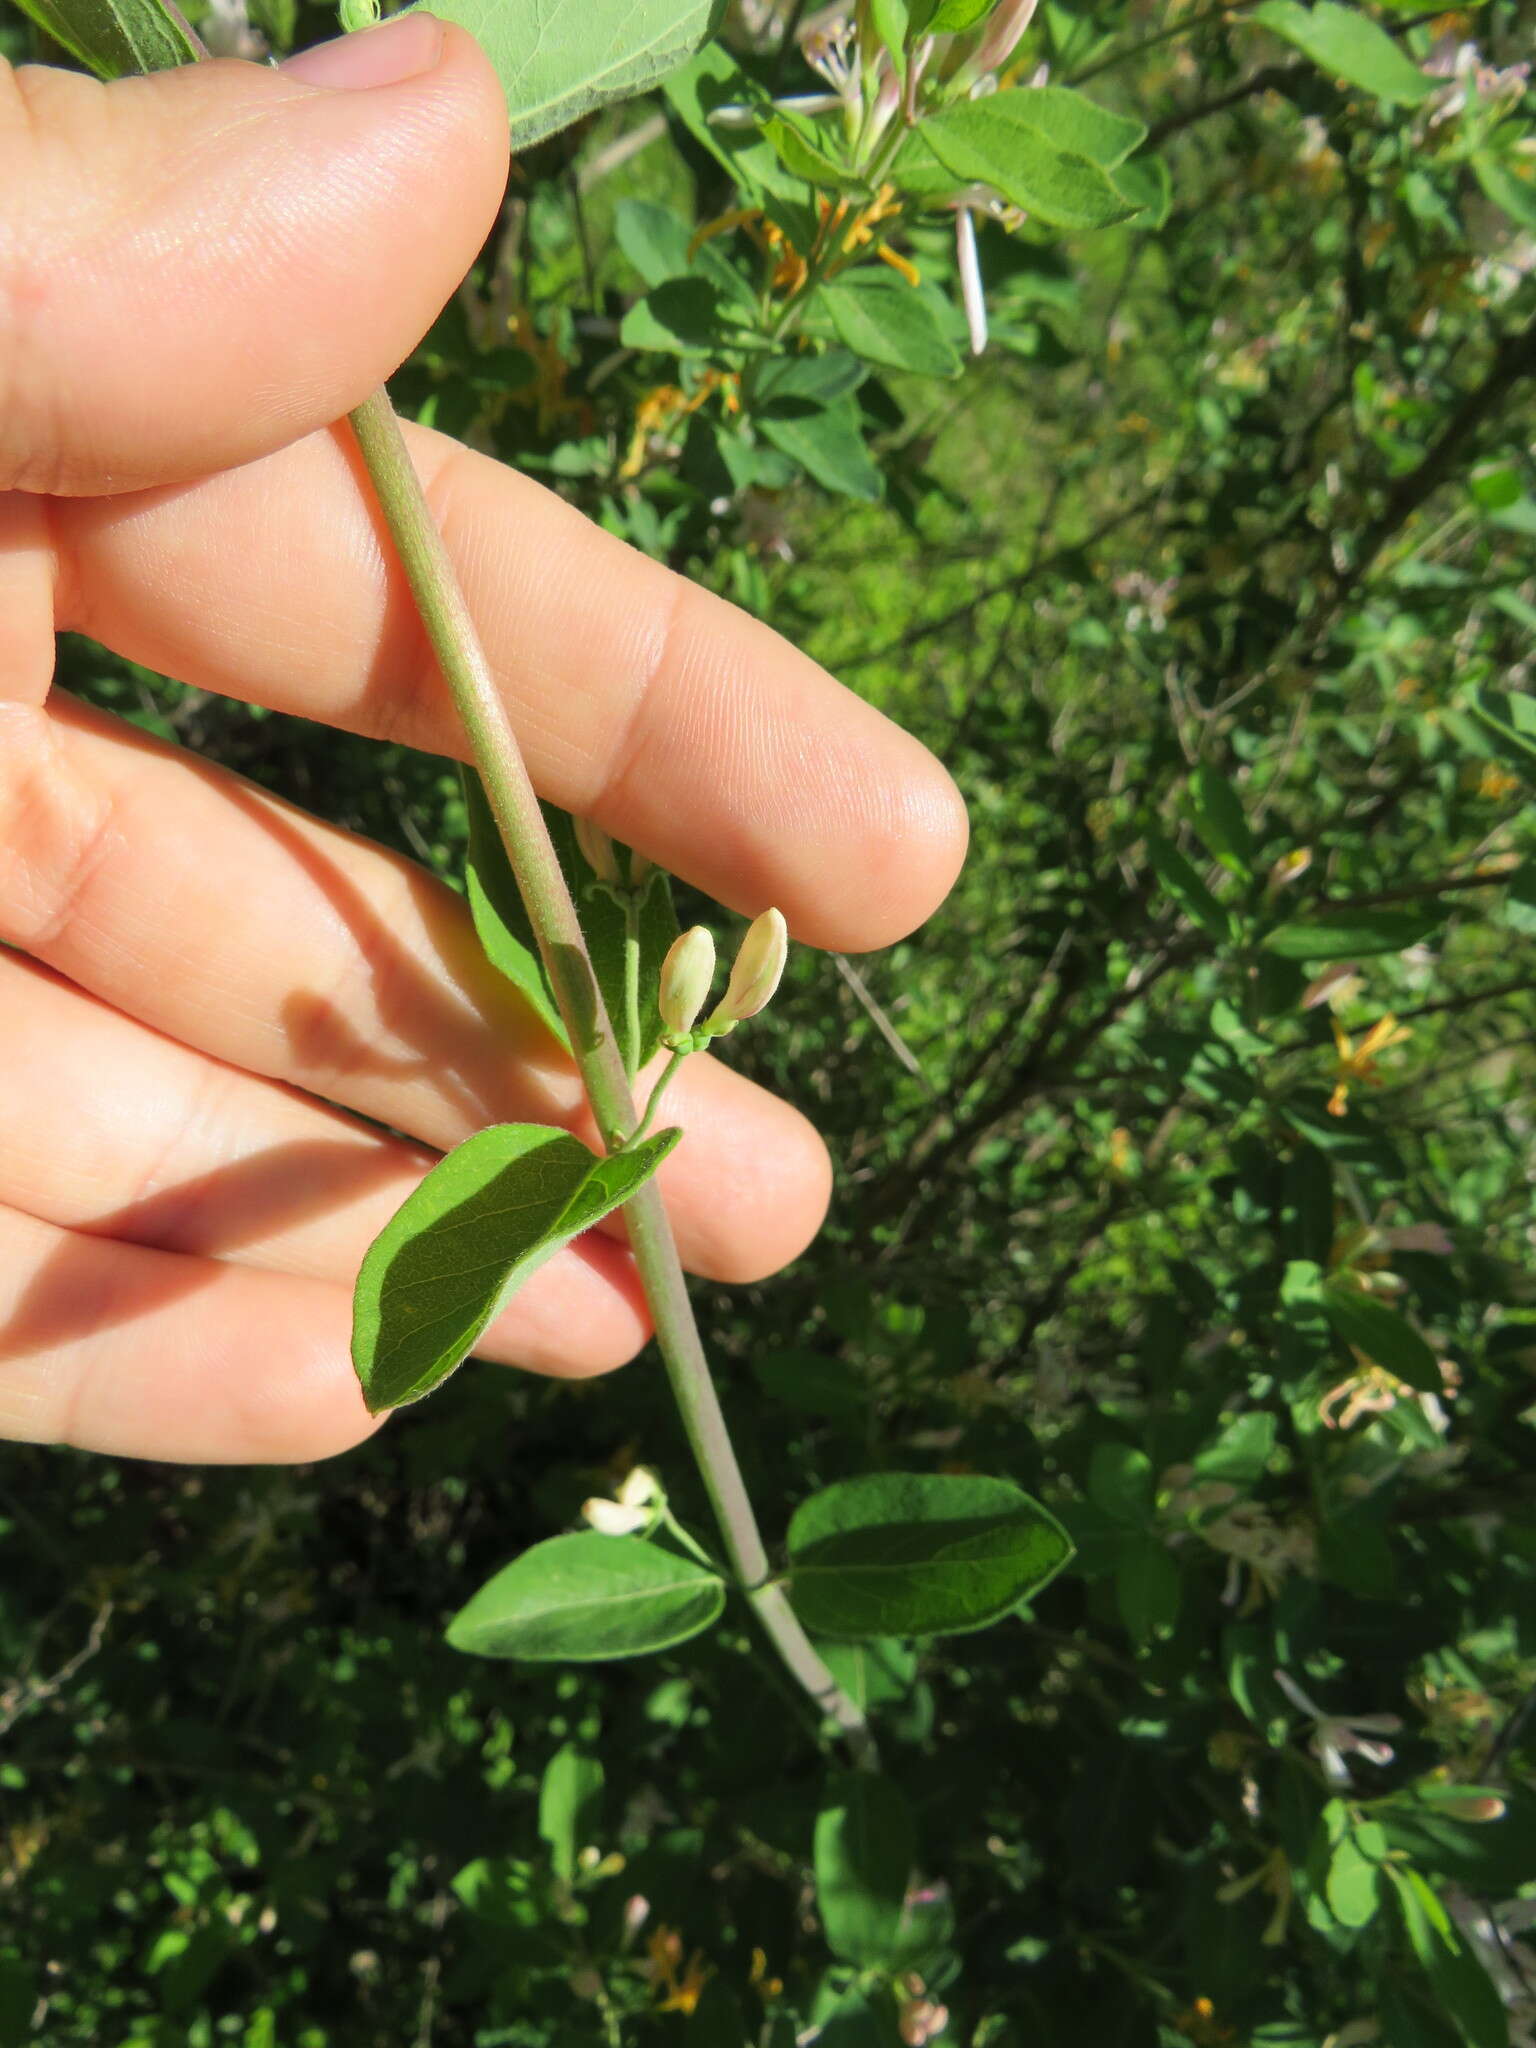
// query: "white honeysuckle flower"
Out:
[833,54]
[612,1518]
[1335,1736]
[733,115]
[972,296]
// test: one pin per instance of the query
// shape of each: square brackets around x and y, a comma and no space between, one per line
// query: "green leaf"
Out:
[865,1848]
[792,385]
[1242,1451]
[680,317]
[1120,1482]
[893,23]
[1460,1983]
[903,1554]
[507,936]
[801,154]
[1352,1890]
[1346,44]
[1147,1587]
[828,443]
[1353,934]
[462,1243]
[804,405]
[1218,818]
[114,38]
[954,17]
[1383,1336]
[653,238]
[1146,183]
[587,1597]
[812,1383]
[713,80]
[885,320]
[1513,194]
[1072,123]
[560,59]
[568,1794]
[1509,718]
[1179,877]
[1409,2019]
[986,142]
[873,1674]
[495,904]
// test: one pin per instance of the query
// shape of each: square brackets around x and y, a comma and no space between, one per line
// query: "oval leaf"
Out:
[865,1848]
[888,321]
[994,142]
[1347,44]
[586,1597]
[904,1554]
[560,59]
[459,1247]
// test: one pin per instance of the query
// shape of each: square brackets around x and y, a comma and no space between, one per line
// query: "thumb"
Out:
[200,266]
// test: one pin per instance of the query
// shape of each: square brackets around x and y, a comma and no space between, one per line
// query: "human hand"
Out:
[199,273]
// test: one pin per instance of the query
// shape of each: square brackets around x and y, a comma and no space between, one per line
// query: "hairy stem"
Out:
[456,644]
[632,983]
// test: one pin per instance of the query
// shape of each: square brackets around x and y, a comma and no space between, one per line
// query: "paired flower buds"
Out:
[689,969]
[632,1510]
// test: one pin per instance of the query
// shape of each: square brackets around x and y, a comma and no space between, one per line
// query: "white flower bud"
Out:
[596,849]
[610,1518]
[1290,867]
[756,973]
[686,974]
[639,1488]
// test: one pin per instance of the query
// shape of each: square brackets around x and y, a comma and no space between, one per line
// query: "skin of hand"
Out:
[203,991]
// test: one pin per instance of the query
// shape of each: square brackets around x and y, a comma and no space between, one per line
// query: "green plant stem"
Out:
[656,1094]
[632,984]
[456,644]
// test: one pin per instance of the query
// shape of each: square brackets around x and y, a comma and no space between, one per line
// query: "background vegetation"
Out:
[1215,584]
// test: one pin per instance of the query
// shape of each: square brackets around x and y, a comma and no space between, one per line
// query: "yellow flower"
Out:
[683,1987]
[1199,2022]
[765,1986]
[1358,1062]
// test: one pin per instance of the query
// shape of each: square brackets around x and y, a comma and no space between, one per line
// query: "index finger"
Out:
[684,726]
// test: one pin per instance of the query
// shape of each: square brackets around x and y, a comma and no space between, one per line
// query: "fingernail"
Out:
[400,49]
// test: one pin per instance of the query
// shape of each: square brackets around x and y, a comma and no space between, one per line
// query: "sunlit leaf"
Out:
[487,1216]
[587,1597]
